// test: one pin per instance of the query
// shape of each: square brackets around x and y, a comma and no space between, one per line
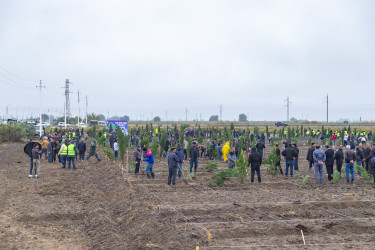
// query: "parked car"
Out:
[61,124]
[81,125]
[281,124]
[102,123]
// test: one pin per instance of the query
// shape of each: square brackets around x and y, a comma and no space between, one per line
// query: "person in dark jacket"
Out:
[137,159]
[351,144]
[255,160]
[81,146]
[367,153]
[172,166]
[350,157]
[339,158]
[290,154]
[295,147]
[359,155]
[278,153]
[112,139]
[36,154]
[329,162]
[181,157]
[310,157]
[193,154]
[260,147]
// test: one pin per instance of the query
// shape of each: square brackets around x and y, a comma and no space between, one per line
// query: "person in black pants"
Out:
[137,159]
[339,157]
[310,157]
[329,162]
[255,160]
[172,165]
[81,149]
[278,152]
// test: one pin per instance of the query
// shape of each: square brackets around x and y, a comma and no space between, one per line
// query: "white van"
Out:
[102,123]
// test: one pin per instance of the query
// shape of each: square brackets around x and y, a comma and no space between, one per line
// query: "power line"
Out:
[19,84]
[23,79]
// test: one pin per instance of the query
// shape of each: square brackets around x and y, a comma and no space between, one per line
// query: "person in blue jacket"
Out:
[149,157]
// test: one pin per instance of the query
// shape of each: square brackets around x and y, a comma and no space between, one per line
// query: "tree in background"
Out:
[157,119]
[242,118]
[214,118]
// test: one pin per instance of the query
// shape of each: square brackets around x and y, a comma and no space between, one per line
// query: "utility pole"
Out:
[67,100]
[79,110]
[86,110]
[186,114]
[327,102]
[221,112]
[287,108]
[40,107]
[166,115]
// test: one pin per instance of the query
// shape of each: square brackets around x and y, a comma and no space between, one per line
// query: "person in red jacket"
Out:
[334,138]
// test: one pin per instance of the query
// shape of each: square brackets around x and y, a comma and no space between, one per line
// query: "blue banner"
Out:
[118,123]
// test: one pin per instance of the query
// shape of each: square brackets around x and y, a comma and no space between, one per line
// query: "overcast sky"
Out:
[146,57]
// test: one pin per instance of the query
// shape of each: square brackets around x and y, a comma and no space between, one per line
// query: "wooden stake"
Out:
[208,236]
[303,237]
[127,159]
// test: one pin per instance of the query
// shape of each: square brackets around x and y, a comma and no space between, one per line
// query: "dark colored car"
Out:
[281,124]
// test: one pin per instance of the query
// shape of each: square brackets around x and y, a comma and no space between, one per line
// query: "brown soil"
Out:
[95,207]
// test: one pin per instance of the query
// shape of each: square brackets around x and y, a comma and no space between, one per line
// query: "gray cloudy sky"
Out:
[145,57]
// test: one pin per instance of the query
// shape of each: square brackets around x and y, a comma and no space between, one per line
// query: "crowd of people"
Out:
[68,146]
[63,146]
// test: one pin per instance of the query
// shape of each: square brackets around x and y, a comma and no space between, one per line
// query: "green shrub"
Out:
[336,177]
[364,173]
[209,167]
[16,132]
[305,180]
[219,178]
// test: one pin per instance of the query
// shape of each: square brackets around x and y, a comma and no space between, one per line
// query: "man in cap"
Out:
[63,153]
[172,165]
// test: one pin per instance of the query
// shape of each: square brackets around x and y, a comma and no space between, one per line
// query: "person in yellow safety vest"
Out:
[70,137]
[72,152]
[74,134]
[63,153]
[225,151]
[156,131]
[105,137]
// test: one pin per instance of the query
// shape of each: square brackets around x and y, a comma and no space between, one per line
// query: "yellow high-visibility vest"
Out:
[64,150]
[71,151]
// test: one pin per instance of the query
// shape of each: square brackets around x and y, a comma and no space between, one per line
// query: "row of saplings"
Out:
[240,171]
